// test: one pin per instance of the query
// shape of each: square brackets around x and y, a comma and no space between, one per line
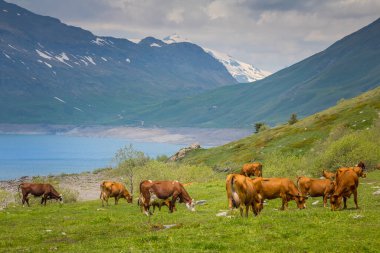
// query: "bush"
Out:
[68,195]
[350,149]
[156,170]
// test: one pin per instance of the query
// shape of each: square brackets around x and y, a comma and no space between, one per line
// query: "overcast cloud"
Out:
[270,34]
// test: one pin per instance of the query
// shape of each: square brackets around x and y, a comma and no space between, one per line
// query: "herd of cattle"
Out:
[243,192]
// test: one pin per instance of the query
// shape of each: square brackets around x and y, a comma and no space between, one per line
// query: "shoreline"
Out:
[182,136]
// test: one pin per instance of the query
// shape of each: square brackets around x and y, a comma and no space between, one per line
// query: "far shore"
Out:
[185,135]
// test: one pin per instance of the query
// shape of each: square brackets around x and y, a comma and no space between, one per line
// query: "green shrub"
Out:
[350,149]
[68,195]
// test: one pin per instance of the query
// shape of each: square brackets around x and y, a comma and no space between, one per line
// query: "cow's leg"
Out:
[284,202]
[356,198]
[116,200]
[246,210]
[325,200]
[172,203]
[344,202]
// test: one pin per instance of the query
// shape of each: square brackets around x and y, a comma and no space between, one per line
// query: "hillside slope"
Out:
[338,130]
[344,70]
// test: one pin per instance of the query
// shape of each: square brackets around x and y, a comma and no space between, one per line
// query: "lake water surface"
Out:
[31,155]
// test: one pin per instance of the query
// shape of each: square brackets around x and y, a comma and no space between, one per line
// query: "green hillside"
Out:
[344,70]
[340,135]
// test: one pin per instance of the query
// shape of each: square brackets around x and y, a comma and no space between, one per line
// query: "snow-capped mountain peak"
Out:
[241,71]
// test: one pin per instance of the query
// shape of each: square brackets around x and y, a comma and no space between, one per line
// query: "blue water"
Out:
[31,155]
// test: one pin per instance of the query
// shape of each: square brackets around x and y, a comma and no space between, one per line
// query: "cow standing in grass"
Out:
[150,190]
[347,182]
[47,191]
[316,187]
[244,192]
[110,189]
[252,169]
[283,188]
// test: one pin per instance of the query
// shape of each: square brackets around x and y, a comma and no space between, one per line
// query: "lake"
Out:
[31,155]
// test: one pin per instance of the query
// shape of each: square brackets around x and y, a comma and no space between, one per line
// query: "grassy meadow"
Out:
[87,227]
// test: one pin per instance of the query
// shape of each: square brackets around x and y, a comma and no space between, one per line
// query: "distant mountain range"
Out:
[54,73]
[58,74]
[345,69]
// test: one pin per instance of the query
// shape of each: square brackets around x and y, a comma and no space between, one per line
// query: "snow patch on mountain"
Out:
[100,42]
[43,55]
[154,45]
[60,100]
[241,71]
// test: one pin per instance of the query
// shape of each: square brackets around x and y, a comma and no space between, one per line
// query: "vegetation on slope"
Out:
[339,136]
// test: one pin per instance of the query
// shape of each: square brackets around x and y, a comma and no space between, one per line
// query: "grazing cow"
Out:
[283,188]
[47,191]
[243,192]
[252,169]
[150,190]
[347,182]
[110,189]
[328,174]
[316,187]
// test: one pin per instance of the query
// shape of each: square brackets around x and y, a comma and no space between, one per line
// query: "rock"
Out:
[48,230]
[221,214]
[200,202]
[169,226]
[315,203]
[183,151]
[376,192]
[358,216]
[63,233]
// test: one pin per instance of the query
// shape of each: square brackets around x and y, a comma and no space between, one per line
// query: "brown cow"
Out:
[347,182]
[110,189]
[316,187]
[243,192]
[252,169]
[283,188]
[150,190]
[328,174]
[47,191]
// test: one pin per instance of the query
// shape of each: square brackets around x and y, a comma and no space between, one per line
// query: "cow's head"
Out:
[128,197]
[191,205]
[335,201]
[300,200]
[258,172]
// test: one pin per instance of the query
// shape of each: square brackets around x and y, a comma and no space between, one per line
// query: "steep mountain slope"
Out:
[241,71]
[94,79]
[347,68]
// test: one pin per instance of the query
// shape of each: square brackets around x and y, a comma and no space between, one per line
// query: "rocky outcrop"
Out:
[183,151]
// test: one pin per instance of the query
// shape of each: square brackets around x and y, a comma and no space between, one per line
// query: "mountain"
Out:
[51,72]
[345,69]
[241,71]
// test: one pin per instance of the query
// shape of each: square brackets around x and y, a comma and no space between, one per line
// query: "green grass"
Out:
[86,227]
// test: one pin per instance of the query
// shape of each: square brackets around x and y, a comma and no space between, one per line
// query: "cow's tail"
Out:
[234,195]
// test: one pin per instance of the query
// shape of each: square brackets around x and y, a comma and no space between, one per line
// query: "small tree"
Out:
[128,159]
[260,126]
[293,119]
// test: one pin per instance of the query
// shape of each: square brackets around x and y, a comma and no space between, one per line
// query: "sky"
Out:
[269,34]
